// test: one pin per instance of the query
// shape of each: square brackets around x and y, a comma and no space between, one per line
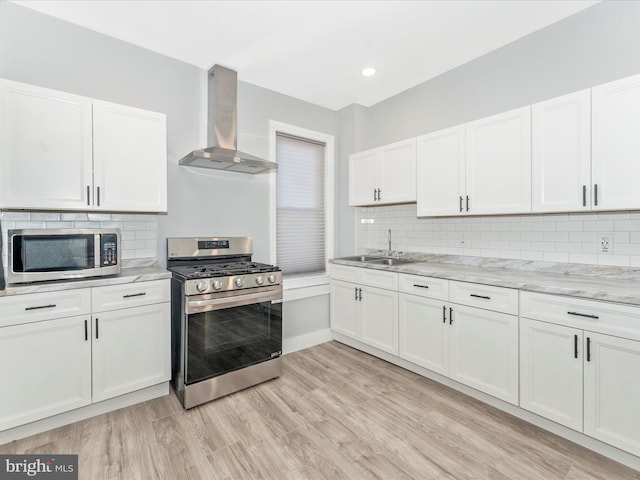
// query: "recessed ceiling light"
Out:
[368,72]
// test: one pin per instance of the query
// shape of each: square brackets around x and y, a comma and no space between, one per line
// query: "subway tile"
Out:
[532,255]
[613,216]
[556,236]
[556,217]
[499,244]
[510,236]
[59,225]
[44,216]
[556,257]
[583,237]
[73,217]
[598,226]
[25,225]
[626,248]
[15,216]
[626,225]
[569,247]
[583,217]
[99,217]
[569,226]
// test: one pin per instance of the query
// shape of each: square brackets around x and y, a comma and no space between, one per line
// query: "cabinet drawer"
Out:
[113,297]
[592,315]
[347,274]
[498,299]
[429,287]
[35,307]
[365,276]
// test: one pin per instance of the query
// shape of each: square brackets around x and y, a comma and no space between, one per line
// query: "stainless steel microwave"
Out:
[44,255]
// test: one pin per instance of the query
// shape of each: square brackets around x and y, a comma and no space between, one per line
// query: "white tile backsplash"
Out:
[139,231]
[571,237]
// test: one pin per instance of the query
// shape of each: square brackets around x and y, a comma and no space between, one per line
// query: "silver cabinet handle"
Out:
[595,194]
[98,202]
[584,195]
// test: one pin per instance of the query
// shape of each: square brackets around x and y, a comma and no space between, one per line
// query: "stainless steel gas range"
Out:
[226,317]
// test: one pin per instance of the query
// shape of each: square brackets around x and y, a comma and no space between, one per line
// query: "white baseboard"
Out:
[290,345]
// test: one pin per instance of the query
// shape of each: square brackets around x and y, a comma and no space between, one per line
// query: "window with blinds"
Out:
[300,205]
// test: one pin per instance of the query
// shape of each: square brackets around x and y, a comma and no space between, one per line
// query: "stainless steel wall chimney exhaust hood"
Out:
[222,127]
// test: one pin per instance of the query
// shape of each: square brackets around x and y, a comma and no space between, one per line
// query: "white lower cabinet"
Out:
[361,309]
[424,333]
[130,350]
[474,346]
[484,351]
[45,369]
[551,371]
[51,363]
[577,376]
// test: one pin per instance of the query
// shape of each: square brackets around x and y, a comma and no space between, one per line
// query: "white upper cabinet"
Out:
[498,168]
[66,152]
[441,172]
[483,167]
[561,153]
[128,143]
[45,148]
[384,175]
[616,144]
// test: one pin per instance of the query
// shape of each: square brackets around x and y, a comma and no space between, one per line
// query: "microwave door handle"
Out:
[97,261]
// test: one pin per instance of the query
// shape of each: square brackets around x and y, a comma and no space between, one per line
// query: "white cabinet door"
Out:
[616,144]
[45,148]
[362,178]
[612,391]
[551,371]
[424,333]
[498,168]
[441,173]
[484,351]
[130,158]
[344,308]
[379,318]
[397,172]
[561,153]
[45,369]
[131,350]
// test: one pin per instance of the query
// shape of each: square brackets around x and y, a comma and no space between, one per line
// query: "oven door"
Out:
[232,332]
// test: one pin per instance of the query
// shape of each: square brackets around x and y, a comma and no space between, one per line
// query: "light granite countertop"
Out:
[127,275]
[613,284]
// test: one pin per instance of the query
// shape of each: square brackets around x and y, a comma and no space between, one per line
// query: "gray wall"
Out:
[42,50]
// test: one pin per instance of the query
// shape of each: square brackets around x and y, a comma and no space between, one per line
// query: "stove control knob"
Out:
[259,279]
[201,286]
[216,285]
[239,282]
[271,278]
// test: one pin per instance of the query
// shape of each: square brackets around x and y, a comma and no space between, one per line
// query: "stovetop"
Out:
[199,270]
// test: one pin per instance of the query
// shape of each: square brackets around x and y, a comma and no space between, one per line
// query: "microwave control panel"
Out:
[109,249]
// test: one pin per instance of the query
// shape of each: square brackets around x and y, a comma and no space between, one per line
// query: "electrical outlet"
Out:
[605,243]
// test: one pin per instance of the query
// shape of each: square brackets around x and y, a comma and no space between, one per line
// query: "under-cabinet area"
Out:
[66,349]
[573,361]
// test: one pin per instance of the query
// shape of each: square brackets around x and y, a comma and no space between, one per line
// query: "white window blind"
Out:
[300,205]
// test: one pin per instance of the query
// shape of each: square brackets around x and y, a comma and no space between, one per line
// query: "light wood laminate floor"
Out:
[336,413]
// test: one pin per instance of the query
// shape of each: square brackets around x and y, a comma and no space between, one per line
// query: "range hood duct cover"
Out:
[222,118]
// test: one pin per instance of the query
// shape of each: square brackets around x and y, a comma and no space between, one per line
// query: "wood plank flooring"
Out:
[336,413]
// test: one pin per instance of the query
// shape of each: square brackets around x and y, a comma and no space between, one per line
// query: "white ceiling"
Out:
[315,50]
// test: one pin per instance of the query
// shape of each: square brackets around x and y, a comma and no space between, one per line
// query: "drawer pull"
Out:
[51,305]
[420,286]
[134,295]
[583,315]
[479,296]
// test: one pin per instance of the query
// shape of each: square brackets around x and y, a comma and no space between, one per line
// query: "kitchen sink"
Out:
[390,261]
[359,258]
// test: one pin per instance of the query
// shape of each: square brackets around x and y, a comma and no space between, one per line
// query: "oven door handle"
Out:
[207,305]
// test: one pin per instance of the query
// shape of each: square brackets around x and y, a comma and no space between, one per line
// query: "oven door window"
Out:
[224,340]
